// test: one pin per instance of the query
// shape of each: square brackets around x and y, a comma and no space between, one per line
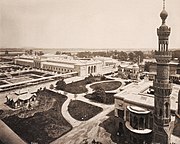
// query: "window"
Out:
[89,70]
[135,123]
[120,113]
[160,112]
[167,109]
[94,68]
[141,123]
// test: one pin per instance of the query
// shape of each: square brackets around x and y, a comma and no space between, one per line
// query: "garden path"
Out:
[81,97]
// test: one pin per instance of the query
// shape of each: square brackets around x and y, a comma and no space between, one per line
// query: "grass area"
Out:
[108,86]
[82,111]
[80,86]
[109,98]
[76,87]
[44,126]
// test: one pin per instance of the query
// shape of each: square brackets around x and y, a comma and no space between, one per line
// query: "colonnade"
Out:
[91,69]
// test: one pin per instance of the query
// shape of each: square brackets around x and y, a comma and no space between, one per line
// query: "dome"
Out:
[163,14]
[164,26]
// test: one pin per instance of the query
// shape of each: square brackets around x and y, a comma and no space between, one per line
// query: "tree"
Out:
[138,55]
[99,94]
[85,54]
[61,85]
[6,52]
[122,56]
[51,86]
[58,53]
[30,52]
[90,79]
[131,56]
[41,53]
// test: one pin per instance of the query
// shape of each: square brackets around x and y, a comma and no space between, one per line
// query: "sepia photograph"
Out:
[89,71]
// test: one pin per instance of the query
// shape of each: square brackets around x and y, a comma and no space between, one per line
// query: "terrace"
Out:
[27,78]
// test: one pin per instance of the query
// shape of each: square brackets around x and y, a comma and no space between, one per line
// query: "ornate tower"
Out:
[162,86]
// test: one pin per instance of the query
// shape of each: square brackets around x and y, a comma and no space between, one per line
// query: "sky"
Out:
[113,24]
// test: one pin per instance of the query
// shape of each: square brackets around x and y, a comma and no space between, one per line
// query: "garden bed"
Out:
[76,87]
[80,86]
[108,86]
[109,98]
[82,111]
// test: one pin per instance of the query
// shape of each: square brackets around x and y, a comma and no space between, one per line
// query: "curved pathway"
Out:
[80,97]
[89,128]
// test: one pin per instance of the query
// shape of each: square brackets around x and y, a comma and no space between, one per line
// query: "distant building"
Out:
[174,70]
[129,70]
[65,64]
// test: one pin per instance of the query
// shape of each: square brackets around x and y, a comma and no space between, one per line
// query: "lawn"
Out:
[80,86]
[44,126]
[76,87]
[109,98]
[108,86]
[82,111]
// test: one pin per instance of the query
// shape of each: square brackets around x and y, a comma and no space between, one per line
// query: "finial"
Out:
[163,4]
[163,14]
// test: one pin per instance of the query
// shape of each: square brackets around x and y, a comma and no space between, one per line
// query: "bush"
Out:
[99,94]
[90,79]
[61,85]
[51,86]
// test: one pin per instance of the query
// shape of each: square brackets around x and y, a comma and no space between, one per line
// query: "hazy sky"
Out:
[86,23]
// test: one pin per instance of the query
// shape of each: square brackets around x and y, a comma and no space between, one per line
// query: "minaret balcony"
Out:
[163,57]
[163,53]
[163,31]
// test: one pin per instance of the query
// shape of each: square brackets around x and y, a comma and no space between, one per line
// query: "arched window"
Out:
[135,122]
[160,112]
[91,69]
[141,123]
[94,68]
[167,109]
[88,70]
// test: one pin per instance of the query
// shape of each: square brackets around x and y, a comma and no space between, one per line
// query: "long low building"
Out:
[65,64]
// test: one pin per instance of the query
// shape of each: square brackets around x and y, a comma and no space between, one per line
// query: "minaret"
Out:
[162,86]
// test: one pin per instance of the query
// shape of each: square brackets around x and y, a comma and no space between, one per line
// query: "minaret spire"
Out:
[164,4]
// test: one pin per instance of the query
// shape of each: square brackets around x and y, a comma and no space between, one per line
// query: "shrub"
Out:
[99,94]
[51,86]
[61,85]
